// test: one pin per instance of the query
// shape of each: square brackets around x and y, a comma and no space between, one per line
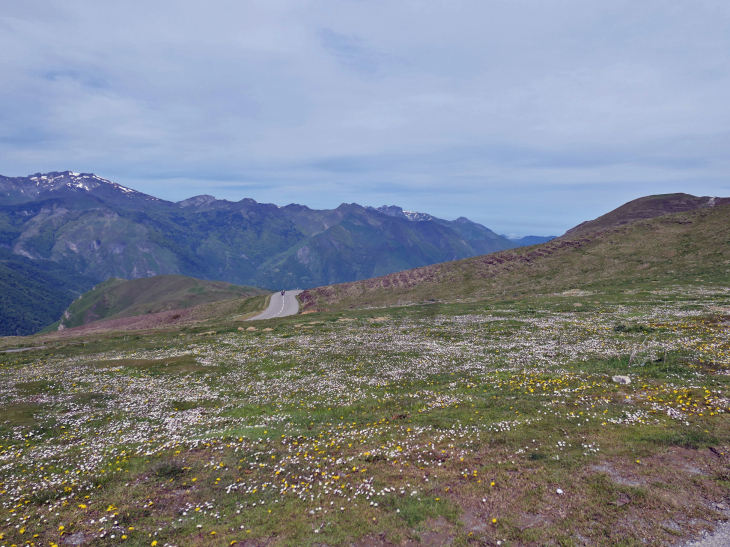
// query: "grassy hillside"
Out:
[119,298]
[645,208]
[564,417]
[675,248]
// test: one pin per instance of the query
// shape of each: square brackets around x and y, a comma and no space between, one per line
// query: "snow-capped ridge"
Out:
[415,216]
[398,212]
[55,182]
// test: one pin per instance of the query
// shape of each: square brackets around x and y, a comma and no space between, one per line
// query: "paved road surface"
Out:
[280,306]
[21,349]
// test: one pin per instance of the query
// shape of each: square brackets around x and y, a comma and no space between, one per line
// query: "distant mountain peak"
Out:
[398,212]
[197,201]
[414,216]
[54,183]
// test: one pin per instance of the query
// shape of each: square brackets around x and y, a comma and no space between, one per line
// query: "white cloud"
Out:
[415,103]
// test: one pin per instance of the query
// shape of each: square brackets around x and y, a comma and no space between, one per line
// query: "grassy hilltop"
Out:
[120,298]
[494,420]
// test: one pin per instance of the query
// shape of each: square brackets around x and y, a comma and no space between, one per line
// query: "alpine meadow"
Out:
[365,273]
[459,404]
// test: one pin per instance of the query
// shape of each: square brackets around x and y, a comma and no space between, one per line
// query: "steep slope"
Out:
[480,238]
[361,245]
[119,298]
[88,235]
[34,293]
[668,249]
[647,207]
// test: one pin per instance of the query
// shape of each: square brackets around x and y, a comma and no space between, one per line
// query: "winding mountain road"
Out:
[280,306]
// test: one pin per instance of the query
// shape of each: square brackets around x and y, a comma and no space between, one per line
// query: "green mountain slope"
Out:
[34,293]
[362,245]
[119,298]
[668,249]
[105,230]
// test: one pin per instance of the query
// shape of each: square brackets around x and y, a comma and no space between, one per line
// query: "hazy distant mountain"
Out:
[68,184]
[530,240]
[100,229]
[481,238]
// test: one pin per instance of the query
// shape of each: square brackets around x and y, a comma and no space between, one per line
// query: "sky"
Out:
[528,116]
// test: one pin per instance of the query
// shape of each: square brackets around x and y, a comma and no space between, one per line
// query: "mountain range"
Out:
[96,229]
[669,237]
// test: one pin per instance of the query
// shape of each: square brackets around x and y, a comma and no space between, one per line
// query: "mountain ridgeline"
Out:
[103,230]
[92,229]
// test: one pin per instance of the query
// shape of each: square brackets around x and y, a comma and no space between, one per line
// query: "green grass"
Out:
[119,298]
[458,419]
[642,257]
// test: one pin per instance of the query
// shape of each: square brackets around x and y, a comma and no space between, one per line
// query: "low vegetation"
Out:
[120,298]
[34,293]
[682,248]
[492,422]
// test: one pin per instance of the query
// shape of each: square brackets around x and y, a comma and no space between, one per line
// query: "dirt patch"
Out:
[475,521]
[531,520]
[624,478]
[685,460]
[183,363]
[438,533]
[376,541]
[79,538]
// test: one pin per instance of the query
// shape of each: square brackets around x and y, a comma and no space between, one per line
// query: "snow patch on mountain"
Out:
[50,183]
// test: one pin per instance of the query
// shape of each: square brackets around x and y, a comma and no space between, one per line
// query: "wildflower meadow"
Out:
[580,418]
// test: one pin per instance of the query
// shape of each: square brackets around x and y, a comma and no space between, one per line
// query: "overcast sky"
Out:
[528,116]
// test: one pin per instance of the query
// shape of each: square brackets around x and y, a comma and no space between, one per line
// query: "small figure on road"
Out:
[282,293]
